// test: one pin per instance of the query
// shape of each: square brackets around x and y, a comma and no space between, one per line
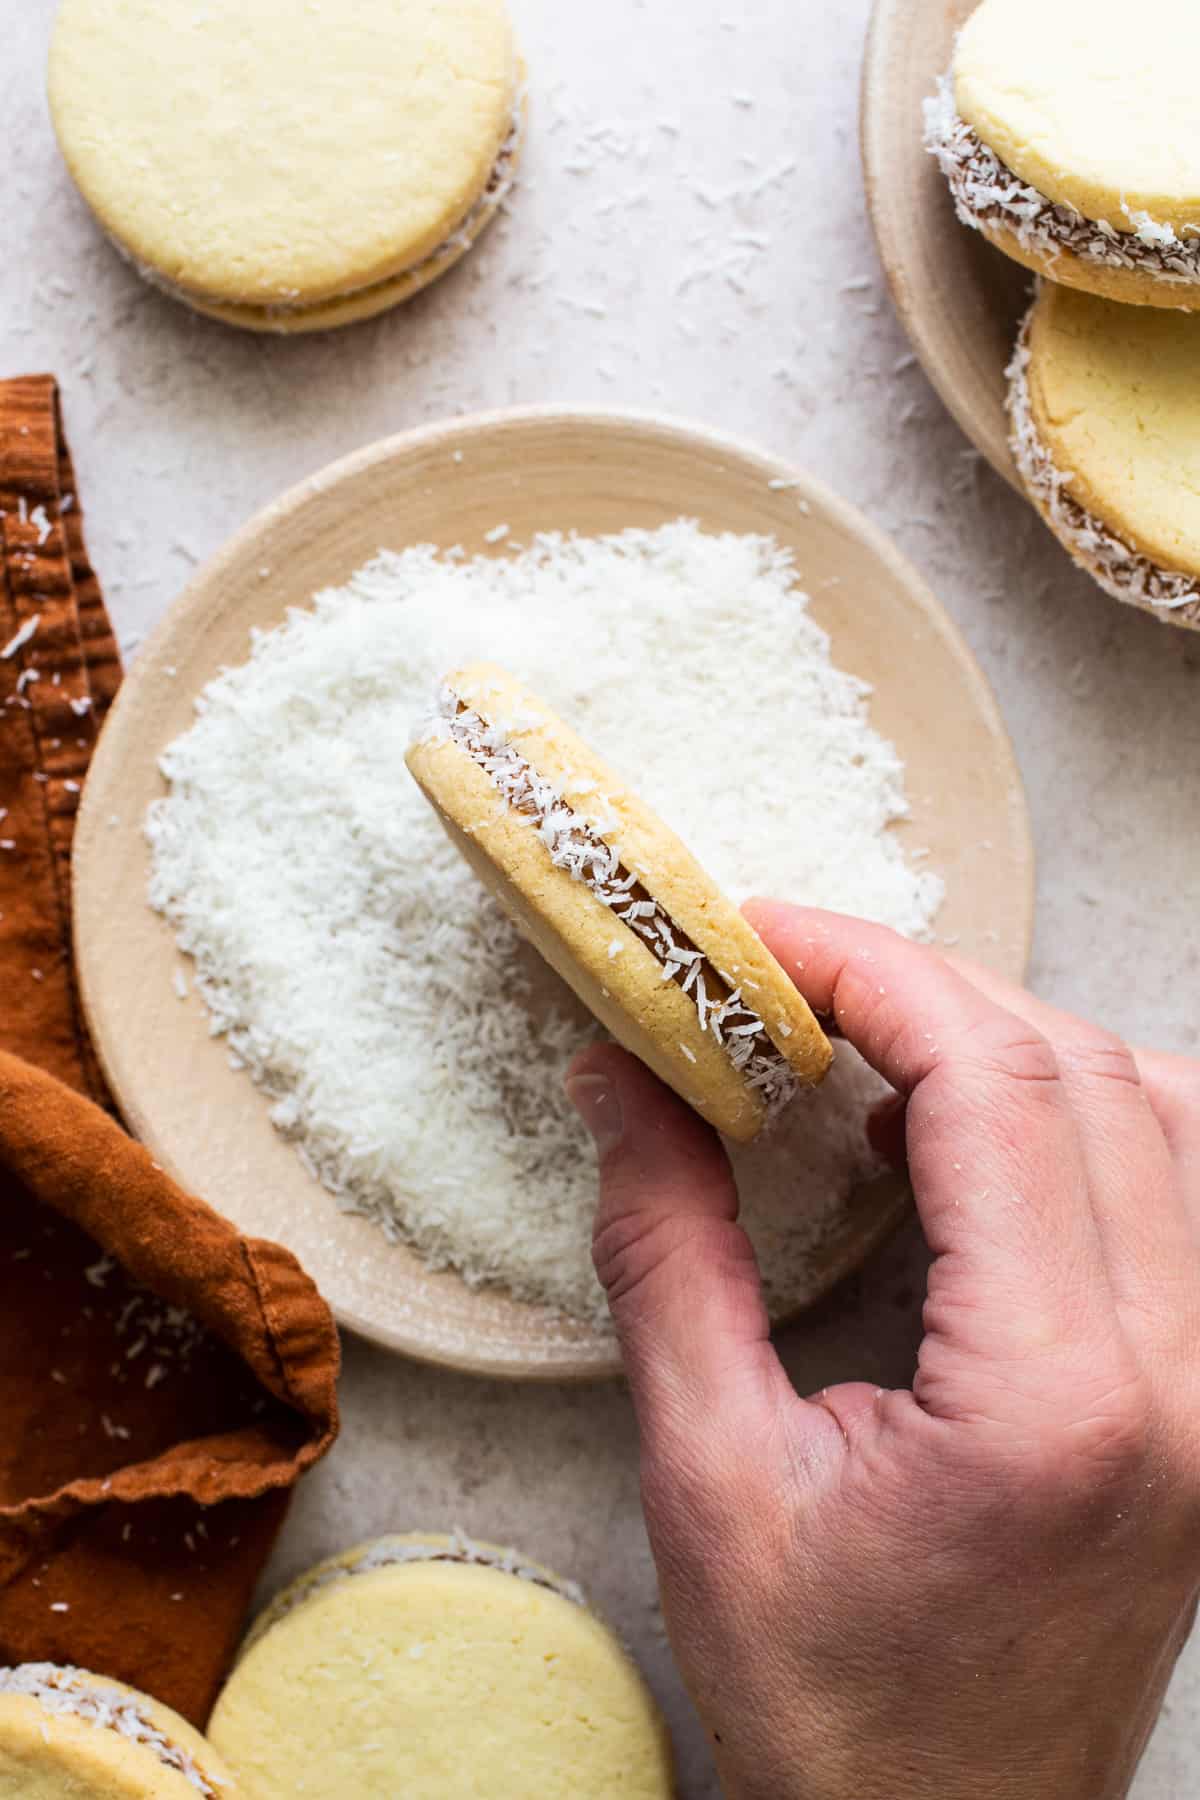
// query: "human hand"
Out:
[977,1588]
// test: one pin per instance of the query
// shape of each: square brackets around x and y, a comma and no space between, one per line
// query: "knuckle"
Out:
[633,1251]
[1105,1445]
[1061,1467]
[1014,1052]
[1101,1056]
[629,1249]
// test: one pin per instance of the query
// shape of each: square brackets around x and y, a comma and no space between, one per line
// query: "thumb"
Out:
[680,1273]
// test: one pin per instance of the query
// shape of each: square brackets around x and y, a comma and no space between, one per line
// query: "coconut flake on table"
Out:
[412,1047]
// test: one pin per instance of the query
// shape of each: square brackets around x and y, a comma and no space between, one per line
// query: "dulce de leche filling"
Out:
[988,193]
[572,844]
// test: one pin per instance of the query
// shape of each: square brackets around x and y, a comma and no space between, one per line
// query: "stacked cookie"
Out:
[1073,145]
[68,1735]
[289,166]
[427,1666]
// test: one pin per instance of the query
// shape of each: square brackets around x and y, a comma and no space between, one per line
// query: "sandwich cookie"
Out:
[67,1735]
[1070,136]
[433,1666]
[295,164]
[1104,402]
[616,904]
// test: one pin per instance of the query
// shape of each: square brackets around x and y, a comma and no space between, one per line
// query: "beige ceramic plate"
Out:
[960,300]
[539,471]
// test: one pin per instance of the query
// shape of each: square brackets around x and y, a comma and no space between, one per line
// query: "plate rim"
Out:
[574,1363]
[888,25]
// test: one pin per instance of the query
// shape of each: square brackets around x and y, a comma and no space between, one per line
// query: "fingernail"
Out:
[598,1104]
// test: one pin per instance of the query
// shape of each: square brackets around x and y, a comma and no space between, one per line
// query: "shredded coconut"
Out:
[69,1693]
[1125,573]
[412,1046]
[21,637]
[987,192]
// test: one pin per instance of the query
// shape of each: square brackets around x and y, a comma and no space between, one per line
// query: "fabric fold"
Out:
[163,1380]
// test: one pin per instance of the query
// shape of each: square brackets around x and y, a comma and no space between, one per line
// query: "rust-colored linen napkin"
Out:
[163,1380]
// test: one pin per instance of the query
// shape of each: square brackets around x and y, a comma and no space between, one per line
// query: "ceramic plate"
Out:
[447,485]
[960,300]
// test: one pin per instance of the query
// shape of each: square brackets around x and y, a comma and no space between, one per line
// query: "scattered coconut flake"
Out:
[22,636]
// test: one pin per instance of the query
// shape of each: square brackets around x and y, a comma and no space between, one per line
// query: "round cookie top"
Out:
[432,1666]
[69,1735]
[1115,398]
[616,903]
[1092,102]
[285,152]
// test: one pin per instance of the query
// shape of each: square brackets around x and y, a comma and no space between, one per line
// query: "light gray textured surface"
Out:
[690,237]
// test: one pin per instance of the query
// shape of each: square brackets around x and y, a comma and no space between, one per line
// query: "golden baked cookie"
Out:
[68,1735]
[432,1666]
[616,903]
[1104,404]
[289,165]
[1070,136]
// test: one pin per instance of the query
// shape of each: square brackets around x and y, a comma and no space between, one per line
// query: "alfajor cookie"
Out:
[295,164]
[616,903]
[68,1735]
[433,1666]
[1070,136]
[1103,403]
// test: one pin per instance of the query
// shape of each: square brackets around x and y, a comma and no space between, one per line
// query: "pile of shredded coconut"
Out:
[987,192]
[412,1046]
[1125,573]
[65,1692]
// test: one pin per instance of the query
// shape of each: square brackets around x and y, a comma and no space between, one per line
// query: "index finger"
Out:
[993,1144]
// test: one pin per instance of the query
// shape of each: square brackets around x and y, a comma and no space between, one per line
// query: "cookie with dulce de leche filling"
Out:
[1070,136]
[616,903]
